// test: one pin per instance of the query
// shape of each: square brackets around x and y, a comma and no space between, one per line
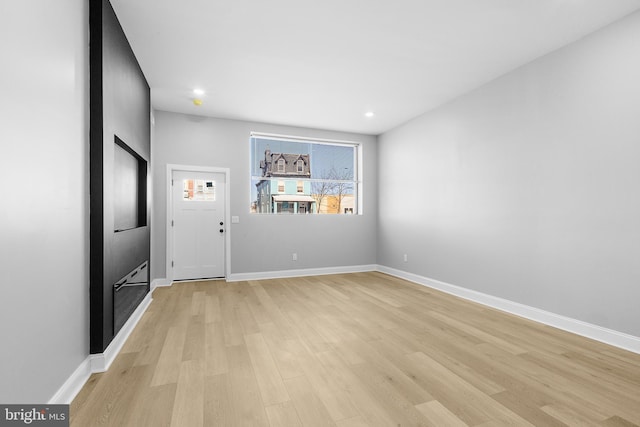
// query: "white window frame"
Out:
[358,161]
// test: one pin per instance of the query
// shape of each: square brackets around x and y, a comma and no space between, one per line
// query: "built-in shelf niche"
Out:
[129,188]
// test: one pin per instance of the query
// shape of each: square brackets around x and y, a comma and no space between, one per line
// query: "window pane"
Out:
[333,161]
[198,190]
[303,177]
[260,147]
[334,197]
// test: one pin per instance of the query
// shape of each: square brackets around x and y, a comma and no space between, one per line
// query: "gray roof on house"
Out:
[270,163]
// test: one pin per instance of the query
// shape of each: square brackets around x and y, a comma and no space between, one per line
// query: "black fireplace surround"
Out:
[120,150]
[127,294]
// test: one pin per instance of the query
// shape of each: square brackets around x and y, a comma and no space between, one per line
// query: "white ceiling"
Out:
[324,63]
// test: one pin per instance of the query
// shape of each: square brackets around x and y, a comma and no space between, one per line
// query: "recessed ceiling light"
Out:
[198,92]
[369,114]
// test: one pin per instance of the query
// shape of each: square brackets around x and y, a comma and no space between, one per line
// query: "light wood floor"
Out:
[352,350]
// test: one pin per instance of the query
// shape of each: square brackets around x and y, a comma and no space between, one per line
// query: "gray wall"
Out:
[44,322]
[529,187]
[319,240]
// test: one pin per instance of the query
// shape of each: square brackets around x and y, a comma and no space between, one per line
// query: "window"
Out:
[304,176]
[198,190]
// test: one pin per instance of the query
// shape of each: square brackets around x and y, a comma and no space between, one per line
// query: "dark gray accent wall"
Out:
[120,107]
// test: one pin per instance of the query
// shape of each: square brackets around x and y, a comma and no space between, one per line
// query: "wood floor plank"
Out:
[361,349]
[168,367]
[212,311]
[358,421]
[260,313]
[194,343]
[154,407]
[150,353]
[269,380]
[475,408]
[247,321]
[332,386]
[437,415]
[594,386]
[307,334]
[246,406]
[341,325]
[231,324]
[569,416]
[372,314]
[527,409]
[484,336]
[453,358]
[283,415]
[188,406]
[617,421]
[393,302]
[611,366]
[385,371]
[198,303]
[310,410]
[538,379]
[215,351]
[275,314]
[217,401]
[285,351]
[116,392]
[140,338]
[383,391]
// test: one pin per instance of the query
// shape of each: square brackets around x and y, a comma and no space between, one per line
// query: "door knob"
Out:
[221,223]
[222,230]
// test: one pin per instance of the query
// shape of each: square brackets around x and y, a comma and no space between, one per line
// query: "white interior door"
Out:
[198,224]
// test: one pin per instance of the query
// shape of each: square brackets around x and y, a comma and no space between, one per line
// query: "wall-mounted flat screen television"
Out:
[129,188]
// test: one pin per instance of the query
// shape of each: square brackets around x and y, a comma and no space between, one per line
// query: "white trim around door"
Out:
[227,204]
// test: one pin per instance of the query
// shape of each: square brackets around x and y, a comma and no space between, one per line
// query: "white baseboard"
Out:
[237,277]
[73,385]
[578,327]
[157,283]
[100,362]
[95,363]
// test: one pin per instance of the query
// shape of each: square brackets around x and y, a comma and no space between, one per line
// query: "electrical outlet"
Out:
[294,256]
[406,258]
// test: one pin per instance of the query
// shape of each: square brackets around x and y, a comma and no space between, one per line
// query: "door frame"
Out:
[227,214]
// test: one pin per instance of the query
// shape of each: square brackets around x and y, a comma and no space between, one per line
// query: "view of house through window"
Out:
[198,190]
[296,176]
